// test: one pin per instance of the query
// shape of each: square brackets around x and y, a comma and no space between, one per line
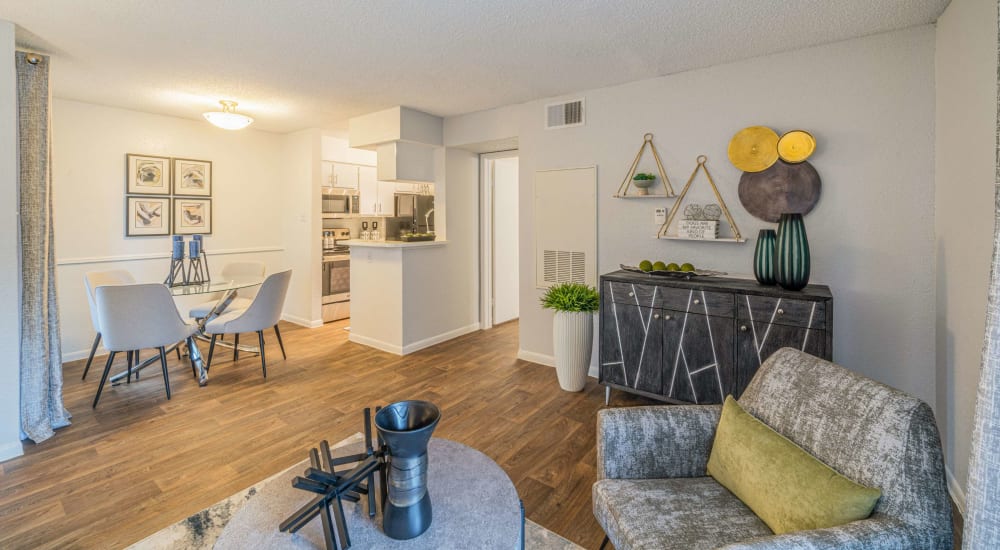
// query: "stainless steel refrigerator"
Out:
[418,211]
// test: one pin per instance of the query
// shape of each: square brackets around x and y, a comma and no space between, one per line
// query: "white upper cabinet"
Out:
[345,176]
[368,188]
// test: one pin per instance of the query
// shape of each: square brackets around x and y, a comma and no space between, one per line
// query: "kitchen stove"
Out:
[336,275]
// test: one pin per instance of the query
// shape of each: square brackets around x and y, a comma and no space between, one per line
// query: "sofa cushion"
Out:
[785,486]
[692,513]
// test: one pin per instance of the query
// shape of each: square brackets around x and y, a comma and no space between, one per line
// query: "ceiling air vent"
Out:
[564,115]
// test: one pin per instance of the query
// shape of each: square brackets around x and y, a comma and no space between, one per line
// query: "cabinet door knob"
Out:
[667,317]
[781,311]
[743,328]
[631,294]
[697,301]
[656,316]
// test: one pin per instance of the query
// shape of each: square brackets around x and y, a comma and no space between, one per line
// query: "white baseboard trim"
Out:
[956,491]
[415,346]
[533,357]
[9,450]
[82,354]
[301,321]
[374,343]
[443,337]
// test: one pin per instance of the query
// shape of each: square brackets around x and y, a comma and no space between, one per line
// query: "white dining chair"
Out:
[264,313]
[233,271]
[92,280]
[139,316]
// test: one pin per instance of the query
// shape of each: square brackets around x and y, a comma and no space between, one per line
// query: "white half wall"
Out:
[89,147]
[10,271]
[966,122]
[870,104]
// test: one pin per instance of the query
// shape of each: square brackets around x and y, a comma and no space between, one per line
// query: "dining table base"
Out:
[192,351]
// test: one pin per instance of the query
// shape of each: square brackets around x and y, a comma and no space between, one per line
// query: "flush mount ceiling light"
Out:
[228,118]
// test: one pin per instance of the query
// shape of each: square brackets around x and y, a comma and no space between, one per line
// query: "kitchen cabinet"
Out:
[345,176]
[368,188]
[696,341]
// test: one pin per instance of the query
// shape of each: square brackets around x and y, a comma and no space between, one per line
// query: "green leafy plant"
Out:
[571,297]
[641,176]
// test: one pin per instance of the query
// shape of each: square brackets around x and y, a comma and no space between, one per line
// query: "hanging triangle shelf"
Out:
[662,234]
[668,191]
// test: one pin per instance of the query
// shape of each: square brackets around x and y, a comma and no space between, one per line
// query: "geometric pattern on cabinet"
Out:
[697,341]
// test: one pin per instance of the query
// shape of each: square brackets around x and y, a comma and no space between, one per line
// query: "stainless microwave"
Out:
[341,204]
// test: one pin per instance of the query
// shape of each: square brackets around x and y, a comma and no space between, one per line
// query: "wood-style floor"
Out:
[140,463]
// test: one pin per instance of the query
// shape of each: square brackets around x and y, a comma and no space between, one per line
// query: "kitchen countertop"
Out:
[394,244]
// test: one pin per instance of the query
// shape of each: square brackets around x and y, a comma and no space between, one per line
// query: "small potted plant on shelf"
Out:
[572,331]
[643,181]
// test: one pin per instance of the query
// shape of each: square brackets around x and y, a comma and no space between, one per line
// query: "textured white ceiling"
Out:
[315,63]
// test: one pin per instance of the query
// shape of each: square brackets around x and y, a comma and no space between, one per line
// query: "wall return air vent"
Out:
[564,114]
[561,266]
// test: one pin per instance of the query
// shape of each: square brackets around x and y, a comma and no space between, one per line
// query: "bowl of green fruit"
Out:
[673,269]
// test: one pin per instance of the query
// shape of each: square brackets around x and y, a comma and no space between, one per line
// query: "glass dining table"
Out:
[229,291]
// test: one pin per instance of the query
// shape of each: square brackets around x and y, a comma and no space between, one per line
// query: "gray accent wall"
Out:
[870,104]
[965,141]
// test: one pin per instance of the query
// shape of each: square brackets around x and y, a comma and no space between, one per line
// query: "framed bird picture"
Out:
[147,216]
[192,178]
[192,216]
[147,175]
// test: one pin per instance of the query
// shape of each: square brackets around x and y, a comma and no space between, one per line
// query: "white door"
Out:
[500,245]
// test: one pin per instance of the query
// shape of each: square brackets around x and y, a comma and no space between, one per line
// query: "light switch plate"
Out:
[660,215]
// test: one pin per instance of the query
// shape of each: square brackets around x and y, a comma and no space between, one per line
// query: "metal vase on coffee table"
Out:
[406,427]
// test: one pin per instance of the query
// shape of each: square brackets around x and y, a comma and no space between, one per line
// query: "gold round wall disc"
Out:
[796,146]
[754,149]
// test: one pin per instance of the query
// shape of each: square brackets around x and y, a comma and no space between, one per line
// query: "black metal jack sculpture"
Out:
[400,460]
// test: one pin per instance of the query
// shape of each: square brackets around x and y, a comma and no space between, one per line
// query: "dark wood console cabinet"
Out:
[697,340]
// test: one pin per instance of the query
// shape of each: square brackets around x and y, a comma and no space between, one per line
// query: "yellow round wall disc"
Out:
[754,149]
[796,146]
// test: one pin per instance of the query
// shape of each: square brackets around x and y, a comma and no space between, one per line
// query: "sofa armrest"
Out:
[655,442]
[875,533]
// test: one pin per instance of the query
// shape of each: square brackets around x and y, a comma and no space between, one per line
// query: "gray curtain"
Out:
[982,521]
[41,357]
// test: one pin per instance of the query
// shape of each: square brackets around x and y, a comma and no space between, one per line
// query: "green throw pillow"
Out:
[789,489]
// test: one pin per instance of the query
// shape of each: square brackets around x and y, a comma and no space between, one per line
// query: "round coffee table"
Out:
[475,505]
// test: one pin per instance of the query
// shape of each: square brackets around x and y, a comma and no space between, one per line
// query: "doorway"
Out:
[500,238]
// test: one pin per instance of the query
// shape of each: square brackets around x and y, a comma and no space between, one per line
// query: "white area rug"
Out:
[201,530]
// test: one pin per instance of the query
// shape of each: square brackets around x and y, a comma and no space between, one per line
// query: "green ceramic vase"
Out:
[791,254]
[763,257]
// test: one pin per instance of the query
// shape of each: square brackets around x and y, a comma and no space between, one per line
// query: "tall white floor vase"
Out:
[573,336]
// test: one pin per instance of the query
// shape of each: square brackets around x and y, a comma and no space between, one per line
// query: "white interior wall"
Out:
[441,284]
[505,239]
[10,272]
[301,172]
[870,104]
[89,147]
[965,152]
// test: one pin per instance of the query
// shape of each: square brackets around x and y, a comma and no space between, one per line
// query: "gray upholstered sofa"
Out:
[653,492]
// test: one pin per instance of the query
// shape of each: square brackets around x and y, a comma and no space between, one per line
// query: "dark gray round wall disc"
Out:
[782,188]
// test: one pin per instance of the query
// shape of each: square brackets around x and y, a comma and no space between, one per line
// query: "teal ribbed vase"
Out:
[791,253]
[763,257]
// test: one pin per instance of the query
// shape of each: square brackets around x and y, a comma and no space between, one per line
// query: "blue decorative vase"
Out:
[763,257]
[791,254]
